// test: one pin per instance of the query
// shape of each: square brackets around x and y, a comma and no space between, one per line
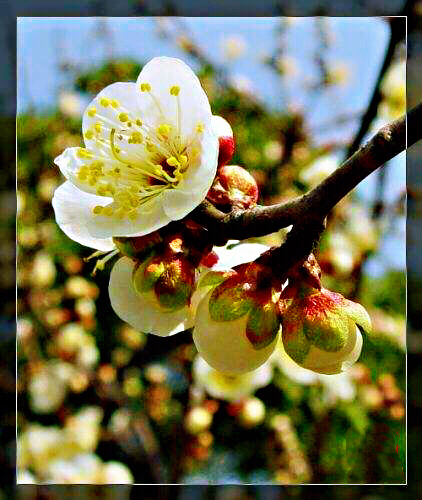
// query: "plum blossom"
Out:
[150,157]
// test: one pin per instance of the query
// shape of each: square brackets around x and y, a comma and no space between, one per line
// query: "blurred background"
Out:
[101,402]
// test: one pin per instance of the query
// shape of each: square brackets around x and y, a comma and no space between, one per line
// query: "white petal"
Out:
[196,181]
[140,312]
[151,217]
[221,127]
[108,118]
[224,345]
[73,208]
[230,256]
[69,163]
[162,73]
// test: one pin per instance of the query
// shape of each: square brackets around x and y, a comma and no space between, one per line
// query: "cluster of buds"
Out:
[321,330]
[237,322]
[162,270]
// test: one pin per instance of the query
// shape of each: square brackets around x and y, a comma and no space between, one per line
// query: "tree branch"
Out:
[317,203]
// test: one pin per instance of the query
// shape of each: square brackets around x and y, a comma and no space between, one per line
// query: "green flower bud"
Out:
[320,331]
[237,323]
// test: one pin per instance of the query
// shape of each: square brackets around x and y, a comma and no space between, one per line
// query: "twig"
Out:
[398,32]
[259,221]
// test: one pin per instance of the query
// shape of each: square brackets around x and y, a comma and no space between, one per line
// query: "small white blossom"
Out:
[230,387]
[150,157]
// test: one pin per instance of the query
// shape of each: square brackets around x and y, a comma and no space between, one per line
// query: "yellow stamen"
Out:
[145,87]
[104,101]
[174,90]
[123,117]
[89,134]
[84,153]
[115,103]
[91,111]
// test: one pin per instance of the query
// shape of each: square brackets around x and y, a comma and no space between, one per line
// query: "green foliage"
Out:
[122,70]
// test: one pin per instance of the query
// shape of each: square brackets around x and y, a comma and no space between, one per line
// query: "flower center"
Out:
[147,160]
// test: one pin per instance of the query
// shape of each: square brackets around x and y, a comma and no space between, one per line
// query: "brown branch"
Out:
[316,204]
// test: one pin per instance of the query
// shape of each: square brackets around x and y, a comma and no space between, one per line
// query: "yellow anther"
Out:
[123,117]
[97,127]
[175,90]
[200,127]
[163,129]
[107,211]
[150,147]
[97,209]
[104,101]
[139,122]
[135,138]
[91,111]
[115,103]
[172,161]
[117,149]
[145,87]
[84,153]
[129,124]
[82,176]
[89,134]
[183,159]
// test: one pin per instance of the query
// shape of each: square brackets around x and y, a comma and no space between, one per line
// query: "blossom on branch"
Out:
[150,157]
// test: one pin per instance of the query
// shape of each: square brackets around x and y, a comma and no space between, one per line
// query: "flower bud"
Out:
[225,139]
[172,280]
[320,331]
[138,246]
[233,187]
[236,323]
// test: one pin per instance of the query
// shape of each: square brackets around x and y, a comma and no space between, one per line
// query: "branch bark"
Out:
[388,142]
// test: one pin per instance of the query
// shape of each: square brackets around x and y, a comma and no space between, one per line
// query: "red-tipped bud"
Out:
[233,187]
[225,138]
[176,284]
[320,330]
[226,150]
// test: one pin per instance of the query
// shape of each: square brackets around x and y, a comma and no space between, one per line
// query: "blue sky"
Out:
[357,43]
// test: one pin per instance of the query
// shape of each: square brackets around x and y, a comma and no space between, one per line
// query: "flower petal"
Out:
[151,217]
[99,120]
[196,181]
[221,127]
[72,159]
[72,208]
[162,73]
[139,310]
[235,253]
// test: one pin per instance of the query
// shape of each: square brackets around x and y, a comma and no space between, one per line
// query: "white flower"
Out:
[48,387]
[116,473]
[150,157]
[317,171]
[143,311]
[230,387]
[70,104]
[233,46]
